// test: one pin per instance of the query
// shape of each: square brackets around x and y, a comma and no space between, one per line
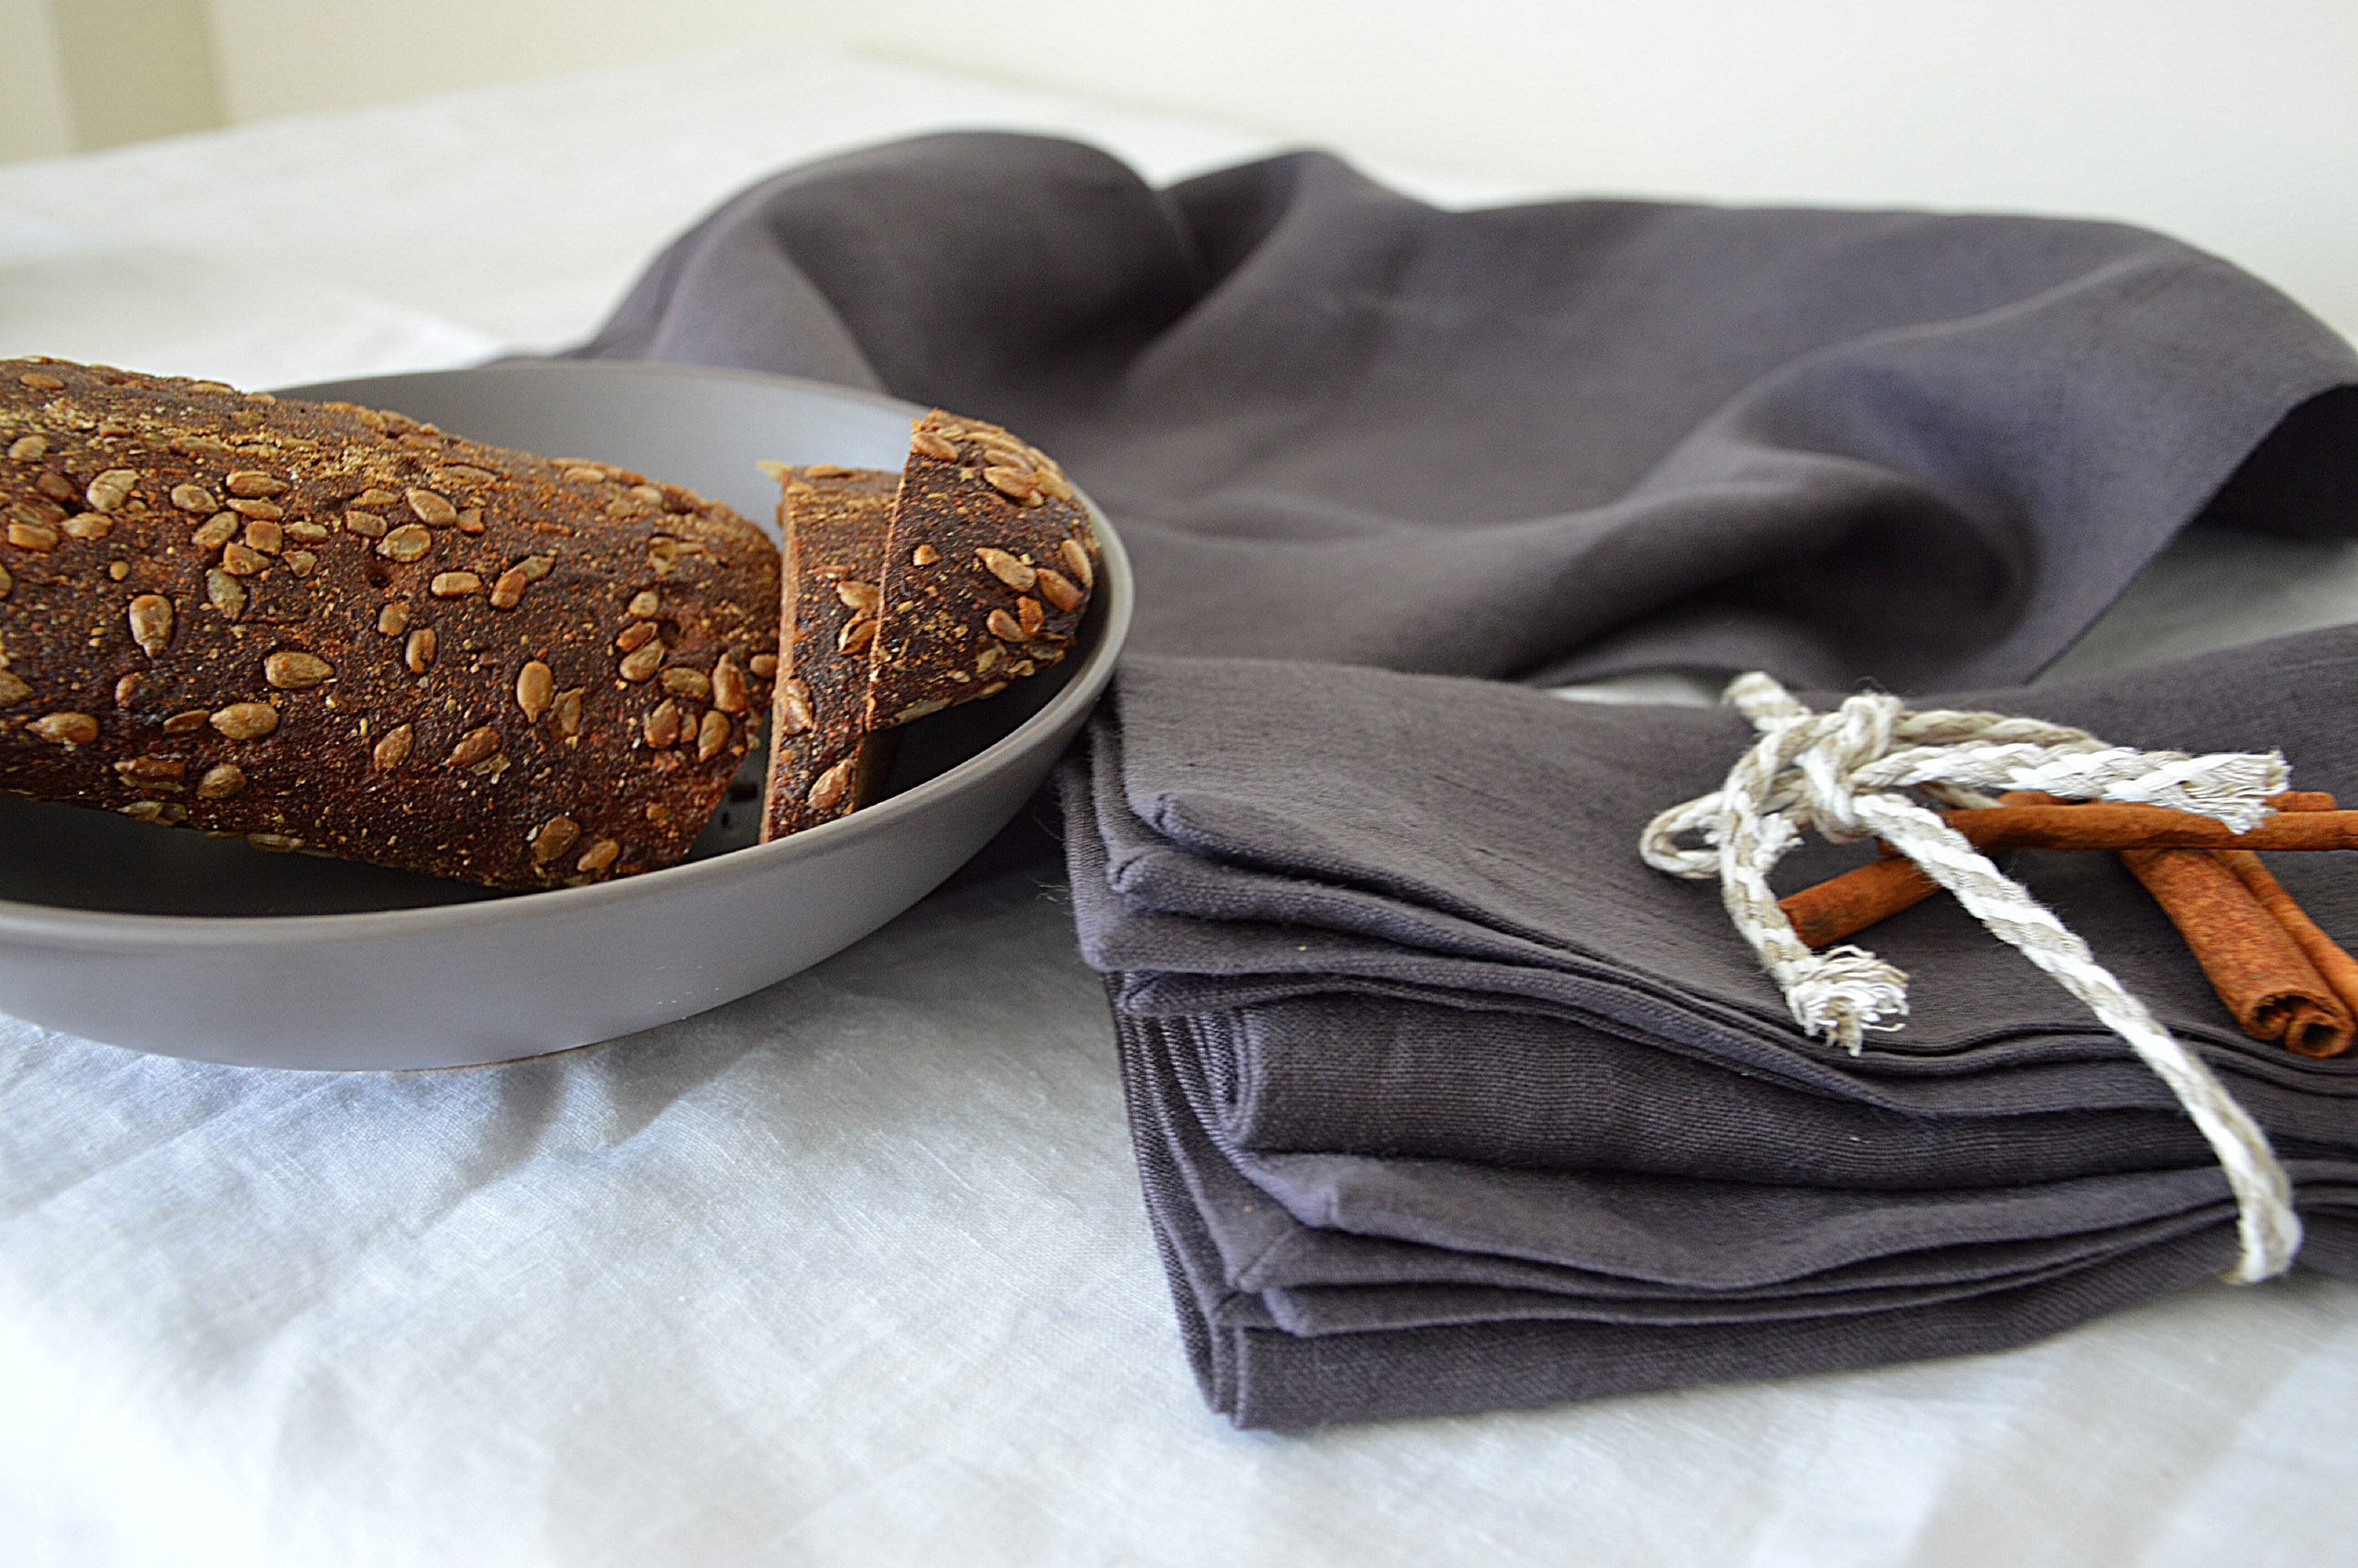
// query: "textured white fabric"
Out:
[854,1270]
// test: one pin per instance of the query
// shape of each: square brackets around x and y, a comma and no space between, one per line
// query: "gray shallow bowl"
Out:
[171,942]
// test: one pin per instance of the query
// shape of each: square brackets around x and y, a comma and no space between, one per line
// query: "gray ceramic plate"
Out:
[168,941]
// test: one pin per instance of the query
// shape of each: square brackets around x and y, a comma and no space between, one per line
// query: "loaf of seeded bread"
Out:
[824,760]
[334,630]
[970,571]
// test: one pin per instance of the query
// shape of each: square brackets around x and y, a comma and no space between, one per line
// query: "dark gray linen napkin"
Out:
[1545,441]
[1444,1100]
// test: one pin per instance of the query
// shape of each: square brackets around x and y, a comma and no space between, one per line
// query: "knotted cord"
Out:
[1842,772]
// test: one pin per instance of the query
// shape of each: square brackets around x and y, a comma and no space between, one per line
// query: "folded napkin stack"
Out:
[1444,1101]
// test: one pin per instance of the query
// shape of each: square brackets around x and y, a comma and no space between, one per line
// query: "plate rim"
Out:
[20,920]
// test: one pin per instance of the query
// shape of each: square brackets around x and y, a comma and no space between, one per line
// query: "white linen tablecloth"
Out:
[854,1270]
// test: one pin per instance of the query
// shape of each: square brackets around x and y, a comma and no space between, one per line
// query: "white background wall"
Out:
[2233,126]
[33,121]
[77,74]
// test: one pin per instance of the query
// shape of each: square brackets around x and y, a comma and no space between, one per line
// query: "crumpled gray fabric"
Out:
[1445,1101]
[1545,441]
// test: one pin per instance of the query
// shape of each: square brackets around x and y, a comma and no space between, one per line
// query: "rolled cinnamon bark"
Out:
[2304,800]
[2281,976]
[2103,825]
[1842,907]
[2260,973]
[2339,969]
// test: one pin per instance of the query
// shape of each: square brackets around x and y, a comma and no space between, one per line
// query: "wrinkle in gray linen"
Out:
[1308,1262]
[1381,1155]
[1547,441]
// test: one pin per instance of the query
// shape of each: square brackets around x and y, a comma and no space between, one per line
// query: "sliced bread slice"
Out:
[824,761]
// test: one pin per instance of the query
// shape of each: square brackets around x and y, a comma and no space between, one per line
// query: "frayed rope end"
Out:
[1843,992]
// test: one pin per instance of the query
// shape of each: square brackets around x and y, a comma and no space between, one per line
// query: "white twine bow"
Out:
[1841,772]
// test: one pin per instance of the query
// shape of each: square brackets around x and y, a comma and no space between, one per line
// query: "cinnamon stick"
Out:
[1842,907]
[2105,825]
[2274,969]
[2261,974]
[2303,800]
[2339,969]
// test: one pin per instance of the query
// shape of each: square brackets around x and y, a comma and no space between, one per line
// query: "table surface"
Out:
[854,1270]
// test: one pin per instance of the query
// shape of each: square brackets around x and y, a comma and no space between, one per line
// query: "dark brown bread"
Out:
[991,564]
[340,630]
[823,760]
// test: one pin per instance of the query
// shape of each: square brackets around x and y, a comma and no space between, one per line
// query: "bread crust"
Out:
[340,630]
